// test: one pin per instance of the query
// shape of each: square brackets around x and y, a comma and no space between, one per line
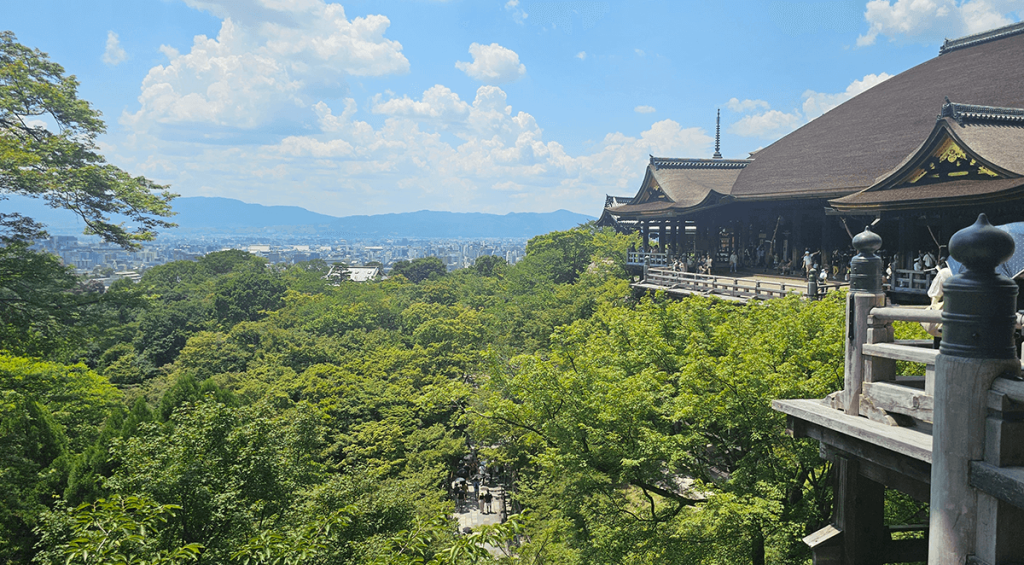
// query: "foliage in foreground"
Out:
[647,434]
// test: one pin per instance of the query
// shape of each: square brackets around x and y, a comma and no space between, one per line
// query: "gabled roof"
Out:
[974,154]
[612,201]
[847,148]
[674,186]
[612,220]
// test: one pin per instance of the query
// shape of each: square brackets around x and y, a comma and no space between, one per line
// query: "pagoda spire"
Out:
[718,135]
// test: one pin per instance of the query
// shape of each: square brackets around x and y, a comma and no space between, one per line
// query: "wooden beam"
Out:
[908,476]
[910,442]
[1004,483]
[891,313]
[901,352]
[900,399]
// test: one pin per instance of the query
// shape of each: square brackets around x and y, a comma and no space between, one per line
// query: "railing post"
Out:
[977,346]
[865,294]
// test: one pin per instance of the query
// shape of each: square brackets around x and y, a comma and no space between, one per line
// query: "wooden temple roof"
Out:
[613,220]
[973,155]
[675,186]
[848,148]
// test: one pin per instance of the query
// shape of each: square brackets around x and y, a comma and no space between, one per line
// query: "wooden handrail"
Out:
[890,313]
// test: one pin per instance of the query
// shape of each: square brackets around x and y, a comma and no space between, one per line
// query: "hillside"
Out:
[206,215]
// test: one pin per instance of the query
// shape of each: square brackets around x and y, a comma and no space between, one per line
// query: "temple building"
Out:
[917,157]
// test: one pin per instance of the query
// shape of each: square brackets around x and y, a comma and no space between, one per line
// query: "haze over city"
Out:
[510,105]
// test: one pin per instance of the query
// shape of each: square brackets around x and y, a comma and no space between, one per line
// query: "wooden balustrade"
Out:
[953,437]
[729,288]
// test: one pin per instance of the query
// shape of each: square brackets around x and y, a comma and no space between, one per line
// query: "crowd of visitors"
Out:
[465,487]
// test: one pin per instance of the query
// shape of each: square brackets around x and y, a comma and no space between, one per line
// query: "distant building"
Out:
[364,274]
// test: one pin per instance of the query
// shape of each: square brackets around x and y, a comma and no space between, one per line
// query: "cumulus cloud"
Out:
[644,109]
[114,54]
[772,123]
[491,158]
[582,55]
[438,102]
[768,123]
[737,105]
[492,64]
[268,63]
[934,20]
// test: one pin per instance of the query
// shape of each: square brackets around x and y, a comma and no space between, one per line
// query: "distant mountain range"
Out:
[205,215]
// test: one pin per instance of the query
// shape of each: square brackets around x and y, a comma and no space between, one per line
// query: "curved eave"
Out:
[669,210]
[996,197]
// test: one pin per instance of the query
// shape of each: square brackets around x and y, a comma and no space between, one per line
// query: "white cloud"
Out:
[492,64]
[772,123]
[817,103]
[492,158]
[737,105]
[439,102]
[644,109]
[768,123]
[517,13]
[639,52]
[114,53]
[934,20]
[268,63]
[582,55]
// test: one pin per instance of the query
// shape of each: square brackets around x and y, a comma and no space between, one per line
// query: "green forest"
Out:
[229,411]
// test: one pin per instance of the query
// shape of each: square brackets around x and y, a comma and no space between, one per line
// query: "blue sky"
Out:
[496,106]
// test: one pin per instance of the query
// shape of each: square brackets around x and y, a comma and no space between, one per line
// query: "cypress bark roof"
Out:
[962,161]
[674,186]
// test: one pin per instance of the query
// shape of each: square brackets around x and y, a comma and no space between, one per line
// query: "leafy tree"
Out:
[309,277]
[77,398]
[421,269]
[227,261]
[32,450]
[489,265]
[563,254]
[121,530]
[247,296]
[164,329]
[63,167]
[38,312]
[233,471]
[644,427]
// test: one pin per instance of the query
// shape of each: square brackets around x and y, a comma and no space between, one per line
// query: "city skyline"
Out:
[382,107]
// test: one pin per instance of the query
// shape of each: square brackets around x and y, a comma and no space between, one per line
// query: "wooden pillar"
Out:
[905,243]
[670,240]
[859,512]
[998,538]
[796,239]
[645,229]
[977,346]
[865,294]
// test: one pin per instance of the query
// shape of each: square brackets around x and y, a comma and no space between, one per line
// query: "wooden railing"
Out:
[911,282]
[883,393]
[727,287]
[653,259]
[950,437]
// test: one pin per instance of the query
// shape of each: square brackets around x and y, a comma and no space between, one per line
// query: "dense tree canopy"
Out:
[421,269]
